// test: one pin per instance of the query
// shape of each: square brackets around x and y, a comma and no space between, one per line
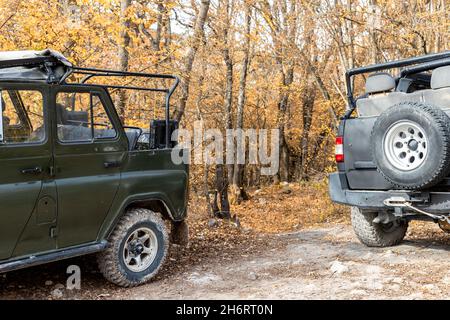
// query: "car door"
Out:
[90,147]
[27,190]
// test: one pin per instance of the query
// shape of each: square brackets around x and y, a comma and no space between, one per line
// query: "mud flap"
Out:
[180,233]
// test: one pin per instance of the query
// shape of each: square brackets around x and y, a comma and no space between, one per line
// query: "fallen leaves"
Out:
[284,208]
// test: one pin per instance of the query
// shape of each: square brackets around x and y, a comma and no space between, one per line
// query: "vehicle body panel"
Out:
[23,230]
[359,166]
[86,188]
[71,206]
[82,198]
[151,175]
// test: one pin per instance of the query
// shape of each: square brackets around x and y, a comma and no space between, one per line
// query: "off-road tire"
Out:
[111,262]
[376,234]
[436,126]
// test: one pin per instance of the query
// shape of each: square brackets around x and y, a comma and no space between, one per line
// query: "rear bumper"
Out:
[433,202]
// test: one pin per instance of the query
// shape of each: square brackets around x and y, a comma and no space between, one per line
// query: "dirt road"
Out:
[319,263]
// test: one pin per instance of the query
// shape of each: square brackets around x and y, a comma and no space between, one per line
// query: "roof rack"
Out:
[92,72]
[425,67]
[53,67]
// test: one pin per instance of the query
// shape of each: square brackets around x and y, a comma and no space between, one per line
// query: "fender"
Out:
[114,215]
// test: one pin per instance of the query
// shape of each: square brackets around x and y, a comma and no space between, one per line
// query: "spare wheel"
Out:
[411,145]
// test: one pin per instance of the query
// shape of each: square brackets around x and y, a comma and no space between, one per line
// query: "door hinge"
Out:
[53,232]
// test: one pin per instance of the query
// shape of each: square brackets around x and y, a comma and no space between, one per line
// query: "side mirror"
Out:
[1,116]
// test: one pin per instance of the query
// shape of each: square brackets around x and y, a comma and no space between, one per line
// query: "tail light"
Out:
[339,151]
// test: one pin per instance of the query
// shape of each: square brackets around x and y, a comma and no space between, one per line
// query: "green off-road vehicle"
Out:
[393,148]
[74,180]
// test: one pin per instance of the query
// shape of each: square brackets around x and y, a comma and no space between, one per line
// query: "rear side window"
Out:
[22,117]
[81,117]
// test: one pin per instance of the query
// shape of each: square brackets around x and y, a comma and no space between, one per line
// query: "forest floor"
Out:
[292,244]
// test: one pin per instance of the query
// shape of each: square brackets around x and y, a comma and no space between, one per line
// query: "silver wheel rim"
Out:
[140,249]
[405,145]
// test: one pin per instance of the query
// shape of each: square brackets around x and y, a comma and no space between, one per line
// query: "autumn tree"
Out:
[237,178]
[260,64]
[193,45]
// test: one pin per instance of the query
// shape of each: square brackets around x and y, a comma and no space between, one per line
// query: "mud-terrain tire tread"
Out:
[371,234]
[442,122]
[108,261]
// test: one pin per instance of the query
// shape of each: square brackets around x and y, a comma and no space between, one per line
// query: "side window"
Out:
[103,127]
[22,116]
[81,117]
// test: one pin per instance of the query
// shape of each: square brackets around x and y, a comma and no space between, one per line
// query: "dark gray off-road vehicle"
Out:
[74,180]
[393,148]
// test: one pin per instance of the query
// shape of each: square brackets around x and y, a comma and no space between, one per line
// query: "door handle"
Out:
[112,164]
[35,170]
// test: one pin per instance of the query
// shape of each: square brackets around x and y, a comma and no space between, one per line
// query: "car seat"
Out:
[380,95]
[439,94]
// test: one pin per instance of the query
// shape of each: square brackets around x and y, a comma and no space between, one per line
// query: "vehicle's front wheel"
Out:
[377,234]
[138,248]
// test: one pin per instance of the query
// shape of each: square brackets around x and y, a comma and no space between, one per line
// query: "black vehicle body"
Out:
[358,182]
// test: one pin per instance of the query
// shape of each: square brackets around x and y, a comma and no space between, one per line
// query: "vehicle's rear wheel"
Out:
[411,145]
[138,248]
[377,234]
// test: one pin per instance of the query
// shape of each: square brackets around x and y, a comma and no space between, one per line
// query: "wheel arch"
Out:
[153,202]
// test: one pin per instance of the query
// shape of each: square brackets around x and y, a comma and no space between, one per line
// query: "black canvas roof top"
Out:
[31,58]
[47,65]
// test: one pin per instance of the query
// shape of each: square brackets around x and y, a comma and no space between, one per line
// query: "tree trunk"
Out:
[228,97]
[222,193]
[323,90]
[238,171]
[167,31]
[66,9]
[373,39]
[283,106]
[209,205]
[159,25]
[195,42]
[284,35]
[307,111]
[123,54]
